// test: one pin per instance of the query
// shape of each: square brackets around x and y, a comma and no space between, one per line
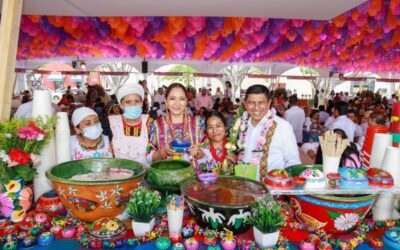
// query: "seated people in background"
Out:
[350,156]
[88,141]
[341,121]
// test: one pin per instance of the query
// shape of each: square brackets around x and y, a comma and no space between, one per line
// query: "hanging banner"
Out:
[75,73]
[169,73]
[208,75]
[301,77]
[114,73]
[261,76]
[387,80]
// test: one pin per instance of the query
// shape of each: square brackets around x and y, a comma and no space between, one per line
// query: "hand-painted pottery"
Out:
[314,178]
[207,177]
[163,243]
[191,244]
[11,245]
[187,232]
[228,243]
[299,181]
[51,204]
[333,180]
[379,177]
[335,214]
[352,178]
[68,232]
[180,146]
[375,243]
[391,238]
[92,200]
[107,228]
[223,204]
[28,241]
[45,239]
[324,245]
[178,246]
[306,245]
[279,179]
[175,237]
[216,247]
[210,237]
[168,175]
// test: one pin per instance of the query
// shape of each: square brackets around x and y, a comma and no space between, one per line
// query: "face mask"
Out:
[132,112]
[93,132]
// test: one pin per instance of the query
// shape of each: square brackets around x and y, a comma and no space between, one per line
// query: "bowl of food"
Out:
[333,213]
[225,203]
[91,189]
[168,175]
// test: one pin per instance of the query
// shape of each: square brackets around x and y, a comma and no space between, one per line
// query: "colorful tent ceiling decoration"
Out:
[366,38]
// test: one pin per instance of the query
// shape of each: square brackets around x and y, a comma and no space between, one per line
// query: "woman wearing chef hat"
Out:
[130,130]
[89,142]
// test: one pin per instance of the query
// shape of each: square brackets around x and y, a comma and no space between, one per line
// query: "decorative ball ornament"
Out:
[228,243]
[178,246]
[191,244]
[187,232]
[28,241]
[45,239]
[163,243]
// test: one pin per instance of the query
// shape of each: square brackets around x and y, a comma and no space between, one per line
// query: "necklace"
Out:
[214,154]
[90,148]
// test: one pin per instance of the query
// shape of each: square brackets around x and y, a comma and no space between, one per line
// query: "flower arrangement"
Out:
[267,216]
[144,205]
[231,146]
[21,142]
[210,166]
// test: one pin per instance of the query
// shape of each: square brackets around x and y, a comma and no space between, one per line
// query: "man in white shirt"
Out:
[24,111]
[323,115]
[160,98]
[359,132]
[296,117]
[282,149]
[341,121]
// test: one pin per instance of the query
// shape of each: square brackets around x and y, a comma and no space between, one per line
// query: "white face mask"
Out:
[93,132]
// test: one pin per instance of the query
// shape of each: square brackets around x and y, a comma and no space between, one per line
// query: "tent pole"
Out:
[9,31]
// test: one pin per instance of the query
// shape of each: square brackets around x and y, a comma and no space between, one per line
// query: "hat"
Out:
[130,89]
[80,114]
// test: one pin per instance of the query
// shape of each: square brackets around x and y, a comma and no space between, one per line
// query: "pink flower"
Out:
[78,156]
[6,205]
[27,133]
[261,140]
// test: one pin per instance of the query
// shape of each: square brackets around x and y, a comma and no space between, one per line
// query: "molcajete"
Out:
[168,175]
[90,200]
[225,203]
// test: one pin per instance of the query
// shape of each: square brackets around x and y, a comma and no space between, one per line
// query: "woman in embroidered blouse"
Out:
[88,141]
[130,130]
[177,125]
[216,132]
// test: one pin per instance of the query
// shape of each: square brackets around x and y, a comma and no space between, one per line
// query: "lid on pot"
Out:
[379,177]
[392,235]
[107,228]
[278,178]
[226,191]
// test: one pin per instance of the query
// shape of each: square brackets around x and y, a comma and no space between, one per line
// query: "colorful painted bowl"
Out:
[107,228]
[379,177]
[225,203]
[335,214]
[51,204]
[299,181]
[278,178]
[391,238]
[180,146]
[92,200]
[352,178]
[168,175]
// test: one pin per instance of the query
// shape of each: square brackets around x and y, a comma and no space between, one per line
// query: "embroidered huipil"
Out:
[103,150]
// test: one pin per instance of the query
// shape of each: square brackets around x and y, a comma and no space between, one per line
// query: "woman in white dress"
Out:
[89,142]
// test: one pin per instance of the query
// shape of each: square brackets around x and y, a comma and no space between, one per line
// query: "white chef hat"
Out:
[130,89]
[80,114]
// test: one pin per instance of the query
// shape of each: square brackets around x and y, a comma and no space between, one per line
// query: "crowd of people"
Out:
[275,132]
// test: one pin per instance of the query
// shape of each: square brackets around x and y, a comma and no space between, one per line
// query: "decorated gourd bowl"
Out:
[333,213]
[225,203]
[91,189]
[168,175]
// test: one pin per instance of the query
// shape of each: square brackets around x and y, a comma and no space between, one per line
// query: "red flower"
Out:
[37,129]
[19,156]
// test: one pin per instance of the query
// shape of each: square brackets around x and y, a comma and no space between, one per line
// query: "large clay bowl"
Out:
[168,175]
[333,213]
[223,204]
[92,200]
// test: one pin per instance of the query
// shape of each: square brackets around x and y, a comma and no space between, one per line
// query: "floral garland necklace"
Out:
[222,156]
[258,151]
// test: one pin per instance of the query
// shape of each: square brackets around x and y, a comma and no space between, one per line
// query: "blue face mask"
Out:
[93,132]
[132,112]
